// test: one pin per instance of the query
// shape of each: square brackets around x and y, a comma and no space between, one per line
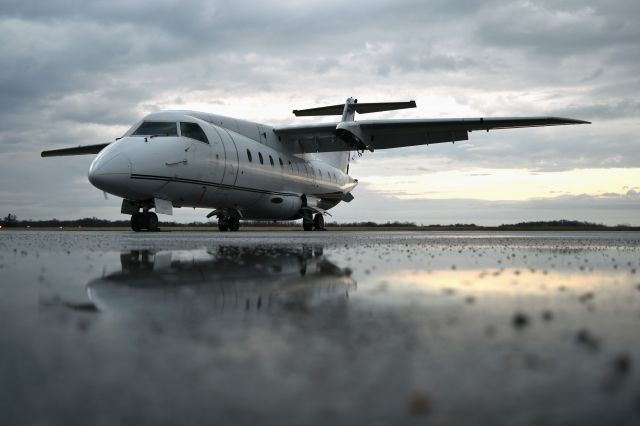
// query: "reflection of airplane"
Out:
[248,170]
[232,279]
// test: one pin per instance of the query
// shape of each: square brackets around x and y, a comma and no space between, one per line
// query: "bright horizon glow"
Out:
[506,184]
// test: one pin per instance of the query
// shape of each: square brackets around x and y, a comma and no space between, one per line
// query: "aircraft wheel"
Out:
[137,221]
[151,220]
[318,222]
[223,225]
[234,224]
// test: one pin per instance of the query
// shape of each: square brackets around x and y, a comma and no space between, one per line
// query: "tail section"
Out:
[348,110]
[339,159]
[352,105]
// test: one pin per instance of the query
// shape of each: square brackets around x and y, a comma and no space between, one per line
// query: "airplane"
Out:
[252,171]
[229,280]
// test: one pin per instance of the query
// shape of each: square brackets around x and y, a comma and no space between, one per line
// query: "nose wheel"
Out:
[141,221]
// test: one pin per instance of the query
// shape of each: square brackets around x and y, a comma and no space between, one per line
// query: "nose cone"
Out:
[111,173]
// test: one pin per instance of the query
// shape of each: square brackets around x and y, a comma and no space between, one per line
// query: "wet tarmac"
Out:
[319,328]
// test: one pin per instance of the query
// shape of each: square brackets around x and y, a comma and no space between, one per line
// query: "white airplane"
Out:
[252,171]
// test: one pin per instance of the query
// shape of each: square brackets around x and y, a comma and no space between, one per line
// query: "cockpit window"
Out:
[156,128]
[193,131]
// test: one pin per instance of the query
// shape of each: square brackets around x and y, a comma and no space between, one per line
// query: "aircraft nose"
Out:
[110,173]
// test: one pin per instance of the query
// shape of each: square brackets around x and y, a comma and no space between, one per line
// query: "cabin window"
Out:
[261,159]
[320,171]
[193,131]
[157,128]
[281,163]
[249,155]
[271,160]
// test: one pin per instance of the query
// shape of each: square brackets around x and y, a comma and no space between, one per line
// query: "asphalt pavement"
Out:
[332,328]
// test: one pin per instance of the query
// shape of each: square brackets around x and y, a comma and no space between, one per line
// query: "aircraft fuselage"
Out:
[242,166]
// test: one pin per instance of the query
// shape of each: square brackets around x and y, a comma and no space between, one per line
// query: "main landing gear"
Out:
[313,224]
[228,223]
[144,221]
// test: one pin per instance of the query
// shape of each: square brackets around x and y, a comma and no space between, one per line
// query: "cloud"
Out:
[76,73]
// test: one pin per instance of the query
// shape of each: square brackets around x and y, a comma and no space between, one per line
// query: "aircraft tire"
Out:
[307,226]
[136,221]
[223,226]
[234,224]
[318,222]
[151,222]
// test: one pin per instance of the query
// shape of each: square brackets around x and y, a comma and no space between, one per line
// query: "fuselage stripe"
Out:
[205,183]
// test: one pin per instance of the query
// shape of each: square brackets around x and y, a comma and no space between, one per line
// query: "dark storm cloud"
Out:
[562,29]
[76,72]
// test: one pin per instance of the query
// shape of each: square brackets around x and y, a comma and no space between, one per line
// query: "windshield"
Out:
[157,128]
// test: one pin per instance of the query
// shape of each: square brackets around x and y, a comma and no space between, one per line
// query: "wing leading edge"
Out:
[384,134]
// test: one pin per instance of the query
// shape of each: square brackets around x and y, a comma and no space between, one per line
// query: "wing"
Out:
[383,134]
[78,150]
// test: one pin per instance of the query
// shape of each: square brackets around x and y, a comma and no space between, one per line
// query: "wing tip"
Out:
[564,120]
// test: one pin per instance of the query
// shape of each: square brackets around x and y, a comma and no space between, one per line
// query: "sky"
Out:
[75,72]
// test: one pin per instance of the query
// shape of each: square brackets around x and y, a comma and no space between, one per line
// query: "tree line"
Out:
[11,221]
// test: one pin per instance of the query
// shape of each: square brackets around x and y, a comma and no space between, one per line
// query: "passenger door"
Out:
[194,174]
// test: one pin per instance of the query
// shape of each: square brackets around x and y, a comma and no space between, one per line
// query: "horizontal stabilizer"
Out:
[383,106]
[78,150]
[325,110]
[359,108]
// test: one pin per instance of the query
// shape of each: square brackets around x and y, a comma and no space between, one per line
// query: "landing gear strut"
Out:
[144,220]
